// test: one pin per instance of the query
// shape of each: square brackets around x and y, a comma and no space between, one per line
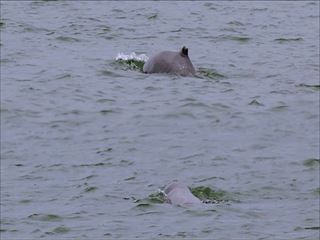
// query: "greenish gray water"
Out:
[83,138]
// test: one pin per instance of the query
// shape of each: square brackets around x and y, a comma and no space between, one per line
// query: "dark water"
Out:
[82,139]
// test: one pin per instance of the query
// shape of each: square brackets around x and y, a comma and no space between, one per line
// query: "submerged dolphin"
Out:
[179,194]
[170,62]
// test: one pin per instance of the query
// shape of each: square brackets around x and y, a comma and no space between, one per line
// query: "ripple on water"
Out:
[285,40]
[45,217]
[255,102]
[311,163]
[110,73]
[59,230]
[67,39]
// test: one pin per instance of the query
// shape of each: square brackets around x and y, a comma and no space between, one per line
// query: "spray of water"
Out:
[132,56]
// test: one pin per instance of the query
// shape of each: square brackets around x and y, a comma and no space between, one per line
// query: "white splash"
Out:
[132,56]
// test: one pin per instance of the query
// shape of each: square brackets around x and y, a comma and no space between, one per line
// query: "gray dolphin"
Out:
[179,194]
[170,62]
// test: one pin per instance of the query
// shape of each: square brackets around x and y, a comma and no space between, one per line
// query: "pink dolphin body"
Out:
[170,62]
[179,194]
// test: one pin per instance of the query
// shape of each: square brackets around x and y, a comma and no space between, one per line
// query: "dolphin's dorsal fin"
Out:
[184,51]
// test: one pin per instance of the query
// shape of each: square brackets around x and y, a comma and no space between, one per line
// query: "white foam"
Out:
[132,56]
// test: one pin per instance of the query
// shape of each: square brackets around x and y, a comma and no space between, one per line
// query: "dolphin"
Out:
[179,194]
[170,62]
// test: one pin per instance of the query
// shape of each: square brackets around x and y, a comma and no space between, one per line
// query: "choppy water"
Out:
[81,138]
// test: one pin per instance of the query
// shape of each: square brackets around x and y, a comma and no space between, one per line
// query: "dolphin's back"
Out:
[179,194]
[169,62]
[160,63]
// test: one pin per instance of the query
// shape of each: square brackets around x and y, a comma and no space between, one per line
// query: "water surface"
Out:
[82,139]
